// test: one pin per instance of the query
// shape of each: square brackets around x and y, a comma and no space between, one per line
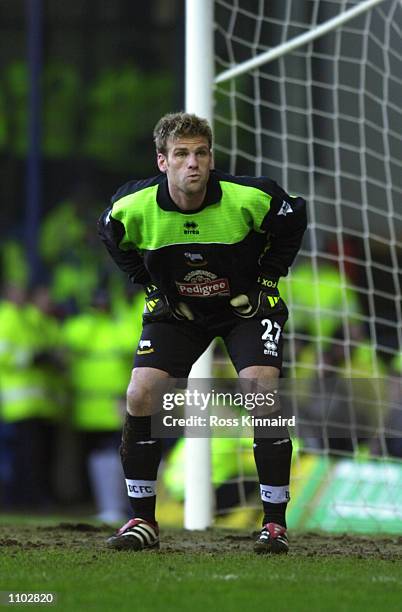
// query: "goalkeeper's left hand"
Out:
[262,300]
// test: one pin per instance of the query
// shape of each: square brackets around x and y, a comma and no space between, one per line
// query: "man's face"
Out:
[186,163]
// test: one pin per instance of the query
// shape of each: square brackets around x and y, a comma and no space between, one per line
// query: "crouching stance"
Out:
[209,249]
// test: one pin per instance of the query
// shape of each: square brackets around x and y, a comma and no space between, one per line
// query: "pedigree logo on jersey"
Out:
[190,227]
[201,283]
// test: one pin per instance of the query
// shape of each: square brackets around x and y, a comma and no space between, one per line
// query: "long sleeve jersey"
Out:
[246,227]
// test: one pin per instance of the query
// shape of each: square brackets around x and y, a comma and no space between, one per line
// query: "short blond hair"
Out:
[176,125]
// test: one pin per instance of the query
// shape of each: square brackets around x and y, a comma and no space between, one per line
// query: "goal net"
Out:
[322,116]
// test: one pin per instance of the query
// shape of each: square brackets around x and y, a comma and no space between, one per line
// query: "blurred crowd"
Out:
[66,350]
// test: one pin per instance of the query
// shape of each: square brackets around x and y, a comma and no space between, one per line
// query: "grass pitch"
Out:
[199,571]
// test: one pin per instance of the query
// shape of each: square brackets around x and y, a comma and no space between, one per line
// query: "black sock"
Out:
[140,457]
[272,458]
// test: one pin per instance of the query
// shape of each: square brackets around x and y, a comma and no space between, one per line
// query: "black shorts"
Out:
[174,346]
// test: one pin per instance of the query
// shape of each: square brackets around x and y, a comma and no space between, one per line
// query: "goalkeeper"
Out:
[209,249]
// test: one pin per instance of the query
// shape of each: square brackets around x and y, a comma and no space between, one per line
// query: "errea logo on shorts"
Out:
[270,348]
[203,284]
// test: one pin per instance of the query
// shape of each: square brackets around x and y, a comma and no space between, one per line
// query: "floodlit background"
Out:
[81,86]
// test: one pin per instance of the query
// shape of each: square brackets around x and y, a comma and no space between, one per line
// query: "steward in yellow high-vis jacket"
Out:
[31,393]
[99,356]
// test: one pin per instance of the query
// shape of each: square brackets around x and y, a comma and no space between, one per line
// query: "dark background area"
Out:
[101,60]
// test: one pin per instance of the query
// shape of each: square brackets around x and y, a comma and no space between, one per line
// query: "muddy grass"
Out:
[213,541]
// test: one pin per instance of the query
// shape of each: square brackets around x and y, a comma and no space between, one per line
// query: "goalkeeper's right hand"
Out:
[158,308]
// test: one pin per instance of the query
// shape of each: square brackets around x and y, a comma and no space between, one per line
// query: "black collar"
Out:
[212,196]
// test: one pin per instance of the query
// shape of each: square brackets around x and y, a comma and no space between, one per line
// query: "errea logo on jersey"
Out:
[190,227]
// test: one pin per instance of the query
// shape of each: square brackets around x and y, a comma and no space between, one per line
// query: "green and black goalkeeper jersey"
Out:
[246,226]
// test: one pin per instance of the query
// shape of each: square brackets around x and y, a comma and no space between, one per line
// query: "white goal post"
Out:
[199,74]
[202,84]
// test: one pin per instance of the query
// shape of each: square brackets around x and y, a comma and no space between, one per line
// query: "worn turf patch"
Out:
[218,541]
